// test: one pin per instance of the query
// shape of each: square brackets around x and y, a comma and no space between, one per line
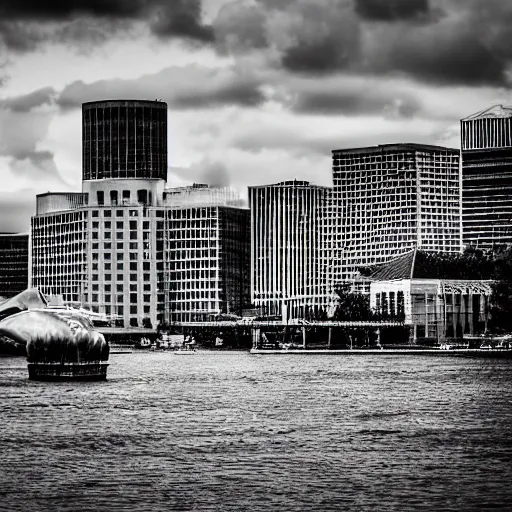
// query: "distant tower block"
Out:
[124,139]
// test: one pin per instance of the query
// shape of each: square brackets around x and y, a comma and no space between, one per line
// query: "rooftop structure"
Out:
[124,139]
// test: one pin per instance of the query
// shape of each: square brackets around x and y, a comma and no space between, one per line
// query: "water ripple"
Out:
[233,432]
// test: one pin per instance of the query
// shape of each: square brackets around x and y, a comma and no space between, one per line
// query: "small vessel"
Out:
[186,350]
[143,343]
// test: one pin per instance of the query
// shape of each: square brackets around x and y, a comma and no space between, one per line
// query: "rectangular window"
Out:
[119,235]
[146,265]
[120,310]
[120,246]
[133,287]
[108,288]
[107,245]
[120,265]
[147,277]
[120,256]
[120,277]
[133,245]
[133,310]
[119,213]
[133,235]
[107,235]
[133,224]
[108,224]
[108,277]
[133,298]
[95,213]
[147,287]
[133,277]
[120,225]
[133,266]
[107,213]
[147,298]
[100,196]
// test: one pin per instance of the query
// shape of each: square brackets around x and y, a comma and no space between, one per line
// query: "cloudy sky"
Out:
[258,90]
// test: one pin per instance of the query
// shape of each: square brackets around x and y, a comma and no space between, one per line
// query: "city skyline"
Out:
[258,91]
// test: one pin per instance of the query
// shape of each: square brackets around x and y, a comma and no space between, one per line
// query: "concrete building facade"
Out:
[128,247]
[207,257]
[486,142]
[389,199]
[288,248]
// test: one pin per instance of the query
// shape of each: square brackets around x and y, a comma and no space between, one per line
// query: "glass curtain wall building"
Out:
[486,142]
[288,248]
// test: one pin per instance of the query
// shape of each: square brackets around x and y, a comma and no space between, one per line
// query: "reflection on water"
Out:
[231,431]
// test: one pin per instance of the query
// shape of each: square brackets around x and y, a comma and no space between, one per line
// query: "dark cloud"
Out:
[185,87]
[181,20]
[447,42]
[446,53]
[27,102]
[27,23]
[240,27]
[390,10]
[355,102]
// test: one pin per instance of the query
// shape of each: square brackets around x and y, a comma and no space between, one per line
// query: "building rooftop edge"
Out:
[493,112]
[397,145]
[124,100]
[290,183]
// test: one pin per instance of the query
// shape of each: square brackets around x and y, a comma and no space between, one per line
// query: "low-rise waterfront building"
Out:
[426,290]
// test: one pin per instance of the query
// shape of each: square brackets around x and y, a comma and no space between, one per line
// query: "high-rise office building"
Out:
[13,263]
[128,247]
[288,248]
[486,142]
[390,198]
[208,253]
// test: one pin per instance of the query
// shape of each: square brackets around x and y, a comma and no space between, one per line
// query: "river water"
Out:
[235,432]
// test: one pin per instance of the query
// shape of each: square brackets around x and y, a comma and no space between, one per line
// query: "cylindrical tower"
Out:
[124,139]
